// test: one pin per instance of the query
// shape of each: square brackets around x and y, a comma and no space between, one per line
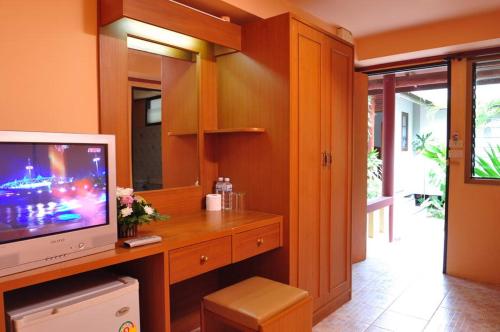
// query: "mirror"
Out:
[163,111]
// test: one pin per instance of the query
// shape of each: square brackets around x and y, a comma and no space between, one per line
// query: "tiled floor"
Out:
[400,287]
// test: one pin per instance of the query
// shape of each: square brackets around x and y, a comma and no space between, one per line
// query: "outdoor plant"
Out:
[374,174]
[133,210]
[420,142]
[488,167]
[435,204]
[487,112]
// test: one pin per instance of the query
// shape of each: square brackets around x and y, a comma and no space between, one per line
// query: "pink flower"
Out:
[127,200]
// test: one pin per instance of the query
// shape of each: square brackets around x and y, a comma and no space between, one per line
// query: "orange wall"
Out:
[474,210]
[270,8]
[446,33]
[48,65]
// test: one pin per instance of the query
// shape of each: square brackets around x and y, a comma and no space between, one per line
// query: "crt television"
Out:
[57,198]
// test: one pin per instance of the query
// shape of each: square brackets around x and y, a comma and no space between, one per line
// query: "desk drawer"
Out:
[255,241]
[199,258]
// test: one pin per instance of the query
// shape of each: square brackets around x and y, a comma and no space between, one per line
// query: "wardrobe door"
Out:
[310,67]
[341,58]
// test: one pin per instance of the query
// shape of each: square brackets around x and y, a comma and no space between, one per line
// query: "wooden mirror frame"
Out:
[114,103]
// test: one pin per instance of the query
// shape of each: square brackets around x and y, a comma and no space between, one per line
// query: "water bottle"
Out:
[218,185]
[227,190]
[219,189]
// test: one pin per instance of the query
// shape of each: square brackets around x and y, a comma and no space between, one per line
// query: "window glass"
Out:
[486,120]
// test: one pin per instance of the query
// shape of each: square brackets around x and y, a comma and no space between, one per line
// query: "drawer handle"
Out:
[260,241]
[203,259]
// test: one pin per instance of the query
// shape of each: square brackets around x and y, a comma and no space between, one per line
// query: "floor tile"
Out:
[400,287]
[451,320]
[358,312]
[340,325]
[400,322]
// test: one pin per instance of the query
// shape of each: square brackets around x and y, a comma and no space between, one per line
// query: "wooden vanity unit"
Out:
[192,245]
[275,115]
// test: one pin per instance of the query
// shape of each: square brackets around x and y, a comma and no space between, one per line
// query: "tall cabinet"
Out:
[295,81]
[321,119]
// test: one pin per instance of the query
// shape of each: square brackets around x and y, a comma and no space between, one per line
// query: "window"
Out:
[153,111]
[404,131]
[485,147]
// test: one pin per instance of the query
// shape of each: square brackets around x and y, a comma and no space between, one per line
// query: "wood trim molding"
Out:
[431,60]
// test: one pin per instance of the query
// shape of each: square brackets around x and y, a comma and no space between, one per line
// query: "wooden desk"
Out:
[233,235]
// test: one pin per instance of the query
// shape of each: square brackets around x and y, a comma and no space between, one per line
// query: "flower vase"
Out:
[126,230]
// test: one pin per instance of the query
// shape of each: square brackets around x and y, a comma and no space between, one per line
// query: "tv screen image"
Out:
[51,188]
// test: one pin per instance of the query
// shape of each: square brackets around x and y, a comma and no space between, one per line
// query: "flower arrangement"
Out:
[133,210]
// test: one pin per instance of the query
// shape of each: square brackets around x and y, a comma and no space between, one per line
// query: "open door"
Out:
[360,147]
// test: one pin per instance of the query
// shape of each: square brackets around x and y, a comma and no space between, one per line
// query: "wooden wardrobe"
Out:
[295,81]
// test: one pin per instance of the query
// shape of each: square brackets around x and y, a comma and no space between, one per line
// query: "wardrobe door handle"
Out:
[324,158]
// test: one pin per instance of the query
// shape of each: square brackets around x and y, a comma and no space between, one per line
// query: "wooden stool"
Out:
[257,304]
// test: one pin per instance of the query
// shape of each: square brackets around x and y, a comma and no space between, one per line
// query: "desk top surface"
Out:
[177,232]
[203,226]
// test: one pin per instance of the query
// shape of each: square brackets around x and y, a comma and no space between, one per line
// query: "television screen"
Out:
[51,188]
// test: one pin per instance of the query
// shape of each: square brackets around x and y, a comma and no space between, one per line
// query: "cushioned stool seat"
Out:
[255,302]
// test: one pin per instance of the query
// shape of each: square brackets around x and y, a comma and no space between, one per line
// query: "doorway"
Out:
[407,168]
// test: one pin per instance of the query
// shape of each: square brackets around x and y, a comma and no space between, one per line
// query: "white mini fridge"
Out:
[104,306]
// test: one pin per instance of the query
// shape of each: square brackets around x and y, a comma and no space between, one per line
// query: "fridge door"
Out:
[116,308]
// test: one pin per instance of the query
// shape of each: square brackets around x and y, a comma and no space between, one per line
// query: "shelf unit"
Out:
[182,133]
[235,130]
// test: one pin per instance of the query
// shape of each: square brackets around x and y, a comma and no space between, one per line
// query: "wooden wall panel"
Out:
[180,87]
[145,66]
[254,91]
[180,123]
[342,71]
[181,165]
[360,155]
[113,115]
[175,202]
[310,146]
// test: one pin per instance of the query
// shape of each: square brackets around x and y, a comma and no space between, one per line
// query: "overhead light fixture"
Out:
[155,48]
[160,35]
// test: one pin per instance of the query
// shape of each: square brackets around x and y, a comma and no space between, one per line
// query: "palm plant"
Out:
[420,142]
[374,174]
[435,204]
[488,167]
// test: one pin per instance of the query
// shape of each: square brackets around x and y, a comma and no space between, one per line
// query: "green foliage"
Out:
[420,142]
[487,112]
[435,204]
[488,167]
[374,174]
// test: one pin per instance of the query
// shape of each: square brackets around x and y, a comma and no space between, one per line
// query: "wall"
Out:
[474,227]
[48,65]
[270,8]
[441,37]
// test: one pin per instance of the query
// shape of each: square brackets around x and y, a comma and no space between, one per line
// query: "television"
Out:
[57,198]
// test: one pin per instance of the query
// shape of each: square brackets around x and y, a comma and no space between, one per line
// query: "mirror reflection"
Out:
[164,115]
[146,139]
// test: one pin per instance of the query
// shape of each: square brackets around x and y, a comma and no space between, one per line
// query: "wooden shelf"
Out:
[235,130]
[182,133]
